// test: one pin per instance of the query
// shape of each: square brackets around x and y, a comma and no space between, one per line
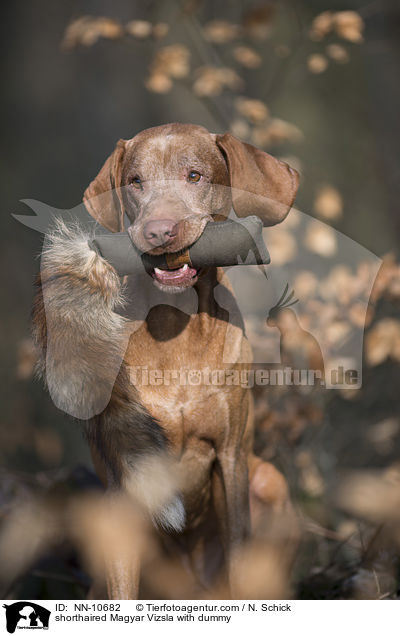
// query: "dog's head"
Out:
[173,179]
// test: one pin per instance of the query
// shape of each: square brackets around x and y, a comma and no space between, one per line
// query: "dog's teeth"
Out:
[185,267]
[157,270]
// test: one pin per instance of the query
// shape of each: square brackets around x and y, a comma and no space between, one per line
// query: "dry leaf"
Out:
[338,53]
[260,574]
[305,284]
[221,31]
[360,314]
[257,22]
[321,239]
[172,61]
[26,359]
[211,81]
[328,203]
[336,333]
[383,341]
[253,109]
[349,25]
[247,57]
[140,29]
[208,83]
[158,83]
[28,531]
[382,434]
[87,30]
[340,285]
[230,78]
[317,63]
[276,131]
[373,495]
[281,245]
[387,282]
[321,25]
[310,476]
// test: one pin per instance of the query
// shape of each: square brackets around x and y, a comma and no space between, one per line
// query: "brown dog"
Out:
[170,181]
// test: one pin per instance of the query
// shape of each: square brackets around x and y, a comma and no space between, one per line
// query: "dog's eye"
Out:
[137,183]
[194,176]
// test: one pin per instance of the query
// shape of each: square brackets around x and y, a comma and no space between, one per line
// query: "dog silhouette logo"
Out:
[26,615]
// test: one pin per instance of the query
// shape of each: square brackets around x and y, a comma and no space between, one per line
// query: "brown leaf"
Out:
[158,83]
[221,31]
[247,57]
[383,341]
[253,109]
[276,131]
[140,29]
[349,25]
[328,203]
[88,29]
[373,495]
[338,53]
[321,239]
[257,22]
[317,63]
[27,357]
[305,284]
[321,25]
[172,61]
[361,315]
[211,80]
[281,245]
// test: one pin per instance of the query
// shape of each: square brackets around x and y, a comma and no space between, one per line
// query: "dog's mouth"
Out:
[181,277]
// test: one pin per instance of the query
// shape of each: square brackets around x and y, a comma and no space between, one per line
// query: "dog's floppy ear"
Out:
[262,185]
[102,197]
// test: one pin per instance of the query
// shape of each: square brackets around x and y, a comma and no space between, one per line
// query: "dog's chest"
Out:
[177,364]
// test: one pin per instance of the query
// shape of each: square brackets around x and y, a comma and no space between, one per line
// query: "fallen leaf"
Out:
[247,57]
[321,239]
[253,109]
[317,63]
[321,25]
[338,53]
[257,22]
[328,203]
[349,25]
[221,31]
[158,83]
[140,29]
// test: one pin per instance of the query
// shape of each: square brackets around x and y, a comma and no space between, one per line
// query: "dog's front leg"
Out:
[231,500]
[118,536]
[122,573]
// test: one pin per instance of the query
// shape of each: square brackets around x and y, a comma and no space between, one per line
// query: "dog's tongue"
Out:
[175,276]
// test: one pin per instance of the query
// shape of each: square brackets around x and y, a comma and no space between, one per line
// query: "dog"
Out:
[170,181]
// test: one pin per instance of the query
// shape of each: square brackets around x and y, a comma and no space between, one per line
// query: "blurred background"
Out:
[314,83]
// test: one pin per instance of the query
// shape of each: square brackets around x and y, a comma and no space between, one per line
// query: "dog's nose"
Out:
[160,232]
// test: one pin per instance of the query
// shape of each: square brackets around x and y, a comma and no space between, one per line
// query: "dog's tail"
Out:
[81,343]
